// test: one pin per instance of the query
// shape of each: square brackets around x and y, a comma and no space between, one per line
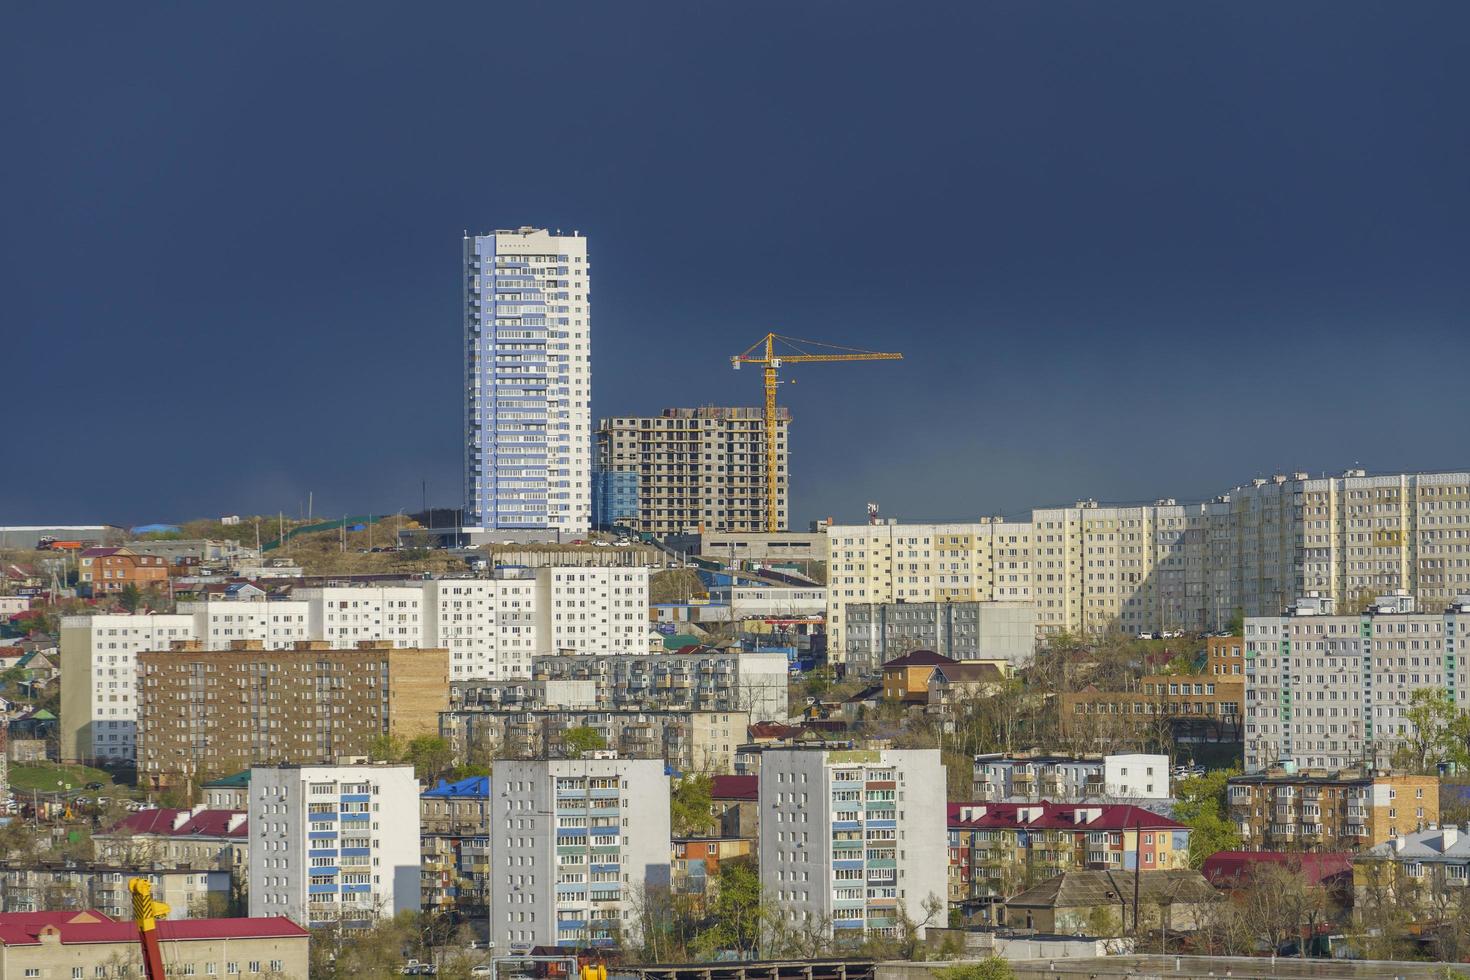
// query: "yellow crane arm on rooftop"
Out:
[771,352]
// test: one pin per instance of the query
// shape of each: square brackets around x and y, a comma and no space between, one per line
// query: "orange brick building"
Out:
[107,571]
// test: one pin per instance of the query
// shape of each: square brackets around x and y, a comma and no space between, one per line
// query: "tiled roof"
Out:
[1085,889]
[1058,816]
[205,823]
[920,658]
[474,786]
[963,673]
[1226,869]
[735,788]
[17,931]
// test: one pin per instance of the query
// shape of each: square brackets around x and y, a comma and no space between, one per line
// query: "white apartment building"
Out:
[1166,565]
[592,610]
[850,836]
[491,627]
[576,842]
[1066,779]
[99,679]
[1330,692]
[528,381]
[333,844]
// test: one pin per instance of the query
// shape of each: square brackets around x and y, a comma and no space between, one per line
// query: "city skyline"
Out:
[1124,253]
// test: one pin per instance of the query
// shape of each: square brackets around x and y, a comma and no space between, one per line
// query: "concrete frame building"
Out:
[527,381]
[1166,565]
[334,844]
[1329,692]
[1063,779]
[455,847]
[705,681]
[698,468]
[964,630]
[576,841]
[847,836]
[492,628]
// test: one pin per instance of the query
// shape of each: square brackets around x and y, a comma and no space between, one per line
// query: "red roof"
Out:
[23,929]
[204,823]
[1228,869]
[1059,816]
[920,658]
[772,729]
[735,788]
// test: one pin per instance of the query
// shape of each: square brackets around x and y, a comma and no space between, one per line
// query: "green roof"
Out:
[42,715]
[678,640]
[241,778]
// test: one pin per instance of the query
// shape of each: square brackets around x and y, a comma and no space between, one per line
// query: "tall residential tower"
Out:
[528,379]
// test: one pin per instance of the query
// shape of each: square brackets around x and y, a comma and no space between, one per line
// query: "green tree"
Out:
[1202,808]
[387,748]
[990,968]
[736,913]
[1438,732]
[429,755]
[579,739]
[689,806]
[130,598]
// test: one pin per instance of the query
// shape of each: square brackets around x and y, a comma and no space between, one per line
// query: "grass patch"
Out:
[42,776]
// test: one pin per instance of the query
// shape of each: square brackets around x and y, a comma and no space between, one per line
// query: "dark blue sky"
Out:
[1128,249]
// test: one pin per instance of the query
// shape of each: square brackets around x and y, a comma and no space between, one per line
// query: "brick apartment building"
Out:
[1316,810]
[208,712]
[107,571]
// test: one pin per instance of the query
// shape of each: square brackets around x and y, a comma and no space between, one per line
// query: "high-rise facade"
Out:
[849,838]
[577,842]
[697,469]
[1324,691]
[528,380]
[334,845]
[1166,565]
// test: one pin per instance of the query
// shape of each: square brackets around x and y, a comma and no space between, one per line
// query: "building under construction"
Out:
[689,470]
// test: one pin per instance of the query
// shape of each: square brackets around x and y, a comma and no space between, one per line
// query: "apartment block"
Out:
[492,628]
[87,943]
[198,839]
[998,849]
[688,741]
[877,632]
[850,836]
[698,468]
[211,712]
[576,842]
[334,844]
[1195,708]
[1162,566]
[527,381]
[454,824]
[1332,691]
[1318,810]
[40,886]
[1066,779]
[755,683]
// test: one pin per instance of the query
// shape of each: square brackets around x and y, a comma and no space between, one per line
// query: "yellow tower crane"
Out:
[771,352]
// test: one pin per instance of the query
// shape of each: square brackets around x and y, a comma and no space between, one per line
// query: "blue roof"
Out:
[474,786]
[153,529]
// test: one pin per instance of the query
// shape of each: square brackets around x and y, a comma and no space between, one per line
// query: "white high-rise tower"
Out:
[528,381]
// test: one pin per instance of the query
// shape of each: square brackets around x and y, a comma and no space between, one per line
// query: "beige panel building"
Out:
[1167,566]
[204,713]
[698,468]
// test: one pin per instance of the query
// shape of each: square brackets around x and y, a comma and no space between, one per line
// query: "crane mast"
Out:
[771,352]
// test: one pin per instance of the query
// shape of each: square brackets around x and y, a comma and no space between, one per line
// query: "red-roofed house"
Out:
[57,945]
[1232,869]
[197,839]
[906,678]
[735,800]
[997,849]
